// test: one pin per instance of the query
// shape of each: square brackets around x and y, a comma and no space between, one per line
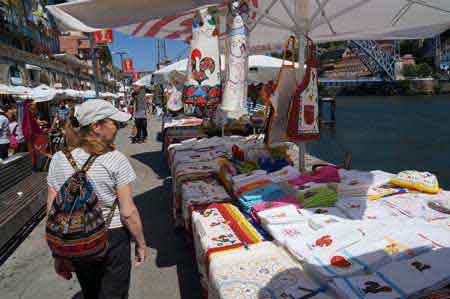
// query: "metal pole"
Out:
[300,75]
[94,62]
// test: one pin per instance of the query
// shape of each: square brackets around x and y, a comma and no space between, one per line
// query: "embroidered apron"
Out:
[203,86]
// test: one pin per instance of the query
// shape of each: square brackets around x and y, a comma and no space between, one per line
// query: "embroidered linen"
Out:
[278,215]
[203,86]
[236,86]
[218,228]
[330,239]
[261,271]
[398,280]
[285,174]
[200,192]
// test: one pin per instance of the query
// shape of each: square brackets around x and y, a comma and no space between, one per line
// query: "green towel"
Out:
[315,197]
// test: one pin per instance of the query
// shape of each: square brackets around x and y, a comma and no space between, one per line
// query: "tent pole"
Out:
[300,74]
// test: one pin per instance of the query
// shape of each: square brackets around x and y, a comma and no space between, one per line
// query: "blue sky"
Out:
[143,50]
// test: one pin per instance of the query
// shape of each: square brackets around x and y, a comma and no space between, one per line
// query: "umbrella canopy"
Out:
[270,21]
[42,93]
[13,90]
[144,81]
[92,15]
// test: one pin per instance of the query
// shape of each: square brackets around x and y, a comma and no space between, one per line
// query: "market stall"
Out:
[261,228]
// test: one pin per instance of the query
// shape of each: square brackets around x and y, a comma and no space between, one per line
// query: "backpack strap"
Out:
[71,160]
[111,214]
[87,165]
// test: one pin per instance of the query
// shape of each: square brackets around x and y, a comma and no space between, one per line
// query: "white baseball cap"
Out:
[94,110]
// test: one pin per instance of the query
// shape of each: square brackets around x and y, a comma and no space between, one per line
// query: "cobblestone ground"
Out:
[169,272]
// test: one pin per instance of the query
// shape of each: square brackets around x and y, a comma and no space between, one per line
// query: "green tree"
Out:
[409,71]
[424,70]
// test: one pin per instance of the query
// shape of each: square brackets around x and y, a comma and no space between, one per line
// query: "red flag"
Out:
[135,76]
[127,66]
[103,36]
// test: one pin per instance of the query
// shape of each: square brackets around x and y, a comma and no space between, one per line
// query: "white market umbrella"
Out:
[89,94]
[92,15]
[42,93]
[270,21]
[14,90]
[144,81]
[107,95]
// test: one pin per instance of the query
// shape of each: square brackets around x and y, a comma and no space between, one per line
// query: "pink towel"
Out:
[323,174]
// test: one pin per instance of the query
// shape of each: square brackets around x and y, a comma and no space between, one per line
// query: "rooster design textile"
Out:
[202,87]
[235,90]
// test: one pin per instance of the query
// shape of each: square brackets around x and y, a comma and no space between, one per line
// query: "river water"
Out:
[391,134]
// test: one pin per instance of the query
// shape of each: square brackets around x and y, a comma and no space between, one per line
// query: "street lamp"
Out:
[122,53]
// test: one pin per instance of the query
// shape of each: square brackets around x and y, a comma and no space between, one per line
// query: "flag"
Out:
[127,65]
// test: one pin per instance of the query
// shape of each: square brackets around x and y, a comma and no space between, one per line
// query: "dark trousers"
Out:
[141,126]
[4,151]
[109,278]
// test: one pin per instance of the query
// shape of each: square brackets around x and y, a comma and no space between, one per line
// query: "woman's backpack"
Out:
[76,229]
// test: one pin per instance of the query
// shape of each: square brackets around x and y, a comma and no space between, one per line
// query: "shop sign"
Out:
[103,36]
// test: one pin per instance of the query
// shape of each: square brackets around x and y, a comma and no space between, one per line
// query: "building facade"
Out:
[30,49]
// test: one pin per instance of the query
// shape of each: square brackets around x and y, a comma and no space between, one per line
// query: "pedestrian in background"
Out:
[4,134]
[111,175]
[140,113]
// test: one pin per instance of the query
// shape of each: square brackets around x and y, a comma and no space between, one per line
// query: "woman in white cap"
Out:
[111,174]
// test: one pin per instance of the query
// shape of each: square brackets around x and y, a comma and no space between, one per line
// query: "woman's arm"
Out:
[130,217]
[51,195]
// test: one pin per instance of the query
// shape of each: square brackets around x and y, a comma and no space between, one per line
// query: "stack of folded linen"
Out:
[261,271]
[265,193]
[186,172]
[218,228]
[357,183]
[365,256]
[285,174]
[323,174]
[415,204]
[314,195]
[201,192]
[284,222]
[359,208]
[319,218]
[401,279]
[329,239]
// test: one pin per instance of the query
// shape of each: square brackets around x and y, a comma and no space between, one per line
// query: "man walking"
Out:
[140,113]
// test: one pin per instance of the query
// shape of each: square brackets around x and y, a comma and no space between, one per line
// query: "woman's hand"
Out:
[64,268]
[141,255]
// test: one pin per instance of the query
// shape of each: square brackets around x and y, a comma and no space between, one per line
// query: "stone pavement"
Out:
[170,271]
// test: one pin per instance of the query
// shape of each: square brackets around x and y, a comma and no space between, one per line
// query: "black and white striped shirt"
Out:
[109,172]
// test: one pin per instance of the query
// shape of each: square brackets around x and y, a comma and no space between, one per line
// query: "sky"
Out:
[143,50]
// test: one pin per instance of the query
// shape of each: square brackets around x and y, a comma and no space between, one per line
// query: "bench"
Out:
[23,196]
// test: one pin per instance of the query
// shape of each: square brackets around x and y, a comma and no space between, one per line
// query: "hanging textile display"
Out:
[285,89]
[303,116]
[203,84]
[235,91]
[174,103]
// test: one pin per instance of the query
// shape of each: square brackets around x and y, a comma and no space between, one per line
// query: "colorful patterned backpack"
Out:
[75,227]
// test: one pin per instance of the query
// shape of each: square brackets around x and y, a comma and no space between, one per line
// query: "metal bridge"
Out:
[379,62]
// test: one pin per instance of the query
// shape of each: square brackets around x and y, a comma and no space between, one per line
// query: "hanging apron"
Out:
[303,123]
[203,86]
[285,89]
[234,101]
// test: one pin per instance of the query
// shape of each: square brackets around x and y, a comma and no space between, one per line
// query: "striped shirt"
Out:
[109,172]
